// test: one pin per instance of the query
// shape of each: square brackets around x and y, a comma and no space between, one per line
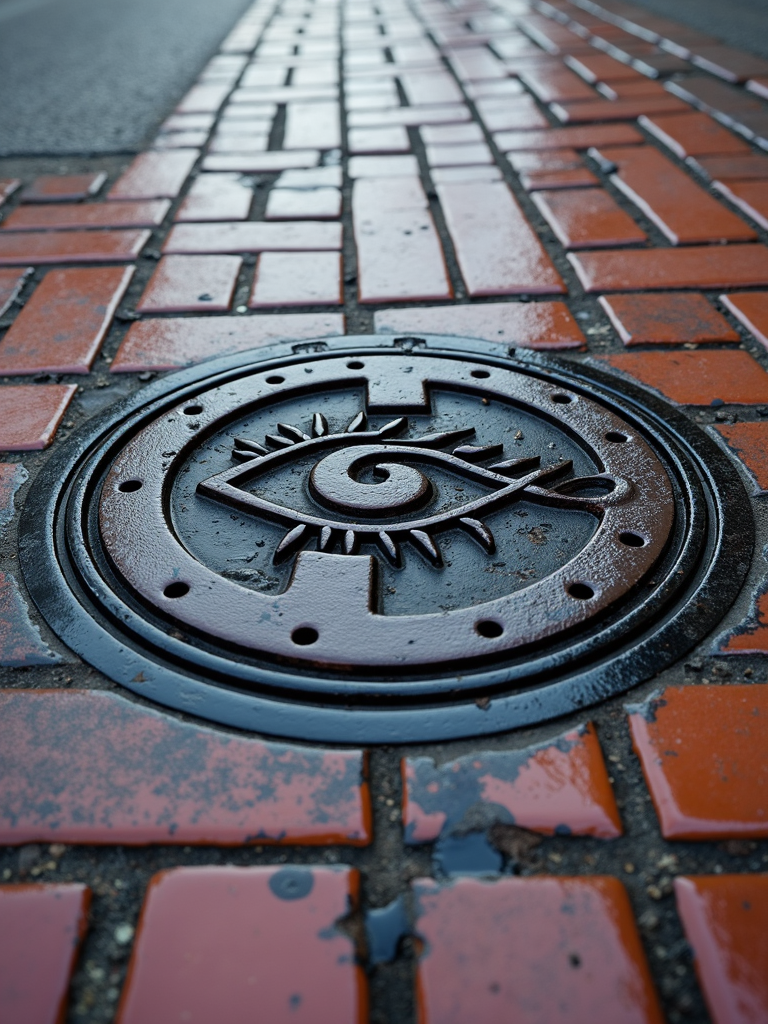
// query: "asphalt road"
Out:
[742,23]
[98,76]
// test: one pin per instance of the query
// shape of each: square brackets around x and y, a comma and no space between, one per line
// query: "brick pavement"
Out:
[557,175]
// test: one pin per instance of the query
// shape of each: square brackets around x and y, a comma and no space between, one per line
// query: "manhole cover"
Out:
[385,542]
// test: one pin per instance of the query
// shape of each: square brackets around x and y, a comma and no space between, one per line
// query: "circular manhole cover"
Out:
[383,543]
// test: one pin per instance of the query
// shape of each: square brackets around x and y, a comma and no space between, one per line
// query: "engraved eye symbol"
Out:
[369,475]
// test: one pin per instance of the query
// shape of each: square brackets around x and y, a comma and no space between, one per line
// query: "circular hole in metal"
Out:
[355,365]
[561,399]
[581,591]
[130,485]
[632,540]
[489,628]
[193,410]
[479,373]
[616,437]
[275,380]
[174,590]
[305,635]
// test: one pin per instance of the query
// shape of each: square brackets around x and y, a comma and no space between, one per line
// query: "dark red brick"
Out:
[165,344]
[62,326]
[599,67]
[730,63]
[30,414]
[618,110]
[71,246]
[11,283]
[732,266]
[62,188]
[698,378]
[674,318]
[725,918]
[67,216]
[587,219]
[694,134]
[749,196]
[41,928]
[92,767]
[155,175]
[701,749]
[572,177]
[731,168]
[217,942]
[498,251]
[531,950]
[751,309]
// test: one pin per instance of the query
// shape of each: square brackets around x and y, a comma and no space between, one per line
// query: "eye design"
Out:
[372,485]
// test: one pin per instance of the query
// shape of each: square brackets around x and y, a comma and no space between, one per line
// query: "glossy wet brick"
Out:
[694,134]
[671,318]
[212,943]
[30,414]
[216,197]
[111,771]
[708,377]
[67,216]
[749,196]
[725,918]
[191,284]
[558,787]
[489,945]
[697,267]
[155,175]
[297,279]
[41,928]
[62,326]
[59,188]
[303,204]
[699,747]
[616,110]
[252,237]
[750,442]
[574,137]
[588,219]
[71,246]
[751,309]
[261,163]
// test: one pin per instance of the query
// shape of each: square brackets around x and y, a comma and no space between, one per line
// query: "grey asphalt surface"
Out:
[98,76]
[742,23]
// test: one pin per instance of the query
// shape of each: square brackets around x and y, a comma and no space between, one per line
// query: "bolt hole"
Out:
[130,485]
[193,410]
[616,437]
[275,380]
[489,629]
[480,373]
[305,635]
[174,590]
[581,591]
[355,365]
[632,540]
[561,399]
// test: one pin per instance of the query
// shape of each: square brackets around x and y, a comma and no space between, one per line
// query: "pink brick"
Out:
[303,204]
[398,249]
[62,326]
[237,143]
[430,88]
[71,246]
[204,99]
[393,139]
[252,236]
[216,197]
[383,166]
[188,122]
[409,116]
[497,249]
[477,172]
[297,279]
[516,114]
[191,284]
[68,216]
[450,134]
[155,175]
[30,414]
[312,126]
[463,154]
[180,140]
[168,343]
[258,163]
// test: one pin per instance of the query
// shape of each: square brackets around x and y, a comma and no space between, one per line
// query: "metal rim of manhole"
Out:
[385,540]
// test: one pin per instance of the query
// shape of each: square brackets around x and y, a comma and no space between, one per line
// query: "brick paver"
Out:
[702,378]
[191,284]
[43,247]
[672,318]
[11,283]
[588,219]
[30,414]
[61,217]
[59,188]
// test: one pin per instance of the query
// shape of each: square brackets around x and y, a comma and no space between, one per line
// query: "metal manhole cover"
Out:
[371,543]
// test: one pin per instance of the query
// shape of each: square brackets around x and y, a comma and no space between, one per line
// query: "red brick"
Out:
[302,204]
[516,114]
[698,378]
[731,168]
[694,134]
[701,750]
[553,83]
[409,116]
[749,196]
[531,950]
[545,160]
[41,928]
[7,187]
[631,90]
[21,644]
[574,177]
[461,155]
[252,236]
[312,126]
[732,266]
[89,766]
[678,206]
[750,442]
[398,248]
[216,197]
[577,137]
[497,250]
[30,414]
[393,139]
[62,326]
[476,172]
[217,942]
[297,279]
[587,219]
[62,188]
[751,309]
[169,343]
[66,216]
[71,246]
[725,918]
[599,67]
[730,63]
[557,786]
[550,36]
[655,64]
[204,99]
[155,175]
[619,110]
[671,319]
[191,284]
[538,325]
[11,283]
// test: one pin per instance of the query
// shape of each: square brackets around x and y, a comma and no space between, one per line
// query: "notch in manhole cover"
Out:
[370,544]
